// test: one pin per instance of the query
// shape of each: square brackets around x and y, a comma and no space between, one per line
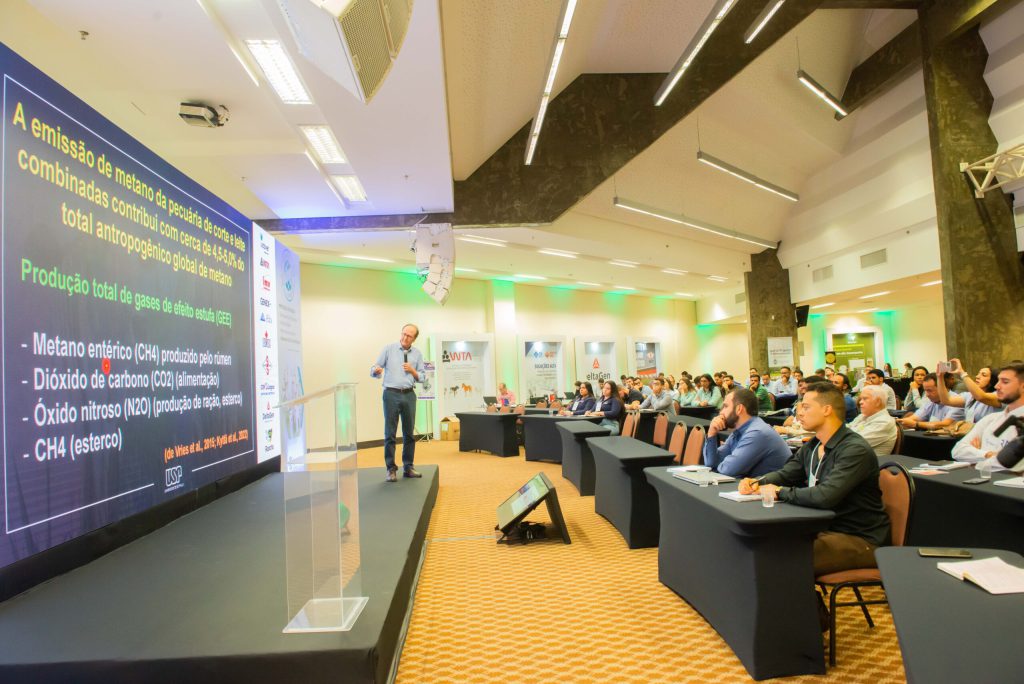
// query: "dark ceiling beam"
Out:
[871,4]
[885,68]
[949,19]
[324,224]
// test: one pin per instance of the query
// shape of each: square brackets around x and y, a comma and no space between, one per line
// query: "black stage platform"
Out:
[203,599]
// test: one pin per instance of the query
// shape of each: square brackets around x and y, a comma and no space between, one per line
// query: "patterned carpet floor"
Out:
[591,611]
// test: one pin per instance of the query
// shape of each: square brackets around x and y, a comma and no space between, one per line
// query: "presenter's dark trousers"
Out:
[398,404]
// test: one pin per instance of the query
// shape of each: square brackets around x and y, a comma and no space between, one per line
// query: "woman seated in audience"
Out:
[505,395]
[608,407]
[915,398]
[583,402]
[670,387]
[686,394]
[887,369]
[980,398]
[708,394]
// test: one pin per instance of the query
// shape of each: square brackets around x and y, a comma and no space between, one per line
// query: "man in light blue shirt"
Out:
[400,364]
[753,449]
[932,415]
[786,384]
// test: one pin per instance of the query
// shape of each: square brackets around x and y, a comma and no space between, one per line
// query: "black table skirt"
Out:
[707,412]
[784,401]
[541,437]
[951,631]
[645,428]
[929,447]
[577,459]
[492,432]
[621,492]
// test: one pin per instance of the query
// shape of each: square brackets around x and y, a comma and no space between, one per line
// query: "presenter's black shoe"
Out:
[392,475]
[412,472]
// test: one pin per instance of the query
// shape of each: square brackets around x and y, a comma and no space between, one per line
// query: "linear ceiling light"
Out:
[323,143]
[712,21]
[525,276]
[673,271]
[279,70]
[737,172]
[819,90]
[368,258]
[877,294]
[693,223]
[559,253]
[476,239]
[466,270]
[568,9]
[717,279]
[684,294]
[582,282]
[822,306]
[931,282]
[350,187]
[868,310]
[762,20]
[624,287]
[623,263]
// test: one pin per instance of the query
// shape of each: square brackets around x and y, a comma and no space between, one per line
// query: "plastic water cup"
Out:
[767,497]
[984,470]
[704,482]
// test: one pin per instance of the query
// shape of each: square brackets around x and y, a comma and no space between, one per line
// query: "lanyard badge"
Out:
[812,477]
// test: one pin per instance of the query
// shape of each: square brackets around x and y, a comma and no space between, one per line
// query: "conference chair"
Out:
[556,405]
[629,426]
[504,409]
[898,444]
[898,499]
[675,445]
[771,398]
[660,430]
[694,452]
[491,408]
[541,404]
[675,405]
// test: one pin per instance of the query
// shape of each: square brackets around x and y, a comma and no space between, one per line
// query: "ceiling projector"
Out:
[203,115]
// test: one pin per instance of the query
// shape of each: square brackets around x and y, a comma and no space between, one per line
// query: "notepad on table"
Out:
[1017,482]
[994,575]
[703,477]
[955,465]
[688,469]
[736,496]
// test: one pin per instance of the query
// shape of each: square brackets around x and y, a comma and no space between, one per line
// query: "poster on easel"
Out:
[465,372]
[595,360]
[780,353]
[542,367]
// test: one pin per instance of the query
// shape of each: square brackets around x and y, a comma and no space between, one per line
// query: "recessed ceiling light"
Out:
[559,253]
[324,145]
[350,187]
[673,271]
[279,70]
[623,263]
[822,306]
[877,294]
[868,310]
[685,294]
[930,283]
[368,258]
[582,282]
[525,276]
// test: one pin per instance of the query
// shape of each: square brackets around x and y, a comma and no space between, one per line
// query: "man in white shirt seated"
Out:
[932,415]
[658,399]
[874,423]
[875,377]
[786,384]
[981,443]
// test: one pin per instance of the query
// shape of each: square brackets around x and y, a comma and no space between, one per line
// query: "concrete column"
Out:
[501,321]
[770,313]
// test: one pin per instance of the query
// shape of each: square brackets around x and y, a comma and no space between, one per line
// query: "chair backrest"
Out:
[504,409]
[556,405]
[675,445]
[675,406]
[491,408]
[898,444]
[771,398]
[694,446]
[660,430]
[542,404]
[898,498]
[899,403]
[629,427]
[520,409]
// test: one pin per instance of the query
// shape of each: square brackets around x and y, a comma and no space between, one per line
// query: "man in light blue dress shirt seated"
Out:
[786,383]
[932,415]
[400,364]
[753,448]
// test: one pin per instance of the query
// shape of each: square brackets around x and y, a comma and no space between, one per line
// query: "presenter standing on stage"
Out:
[400,364]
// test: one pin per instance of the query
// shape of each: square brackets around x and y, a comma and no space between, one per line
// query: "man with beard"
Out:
[753,448]
[981,443]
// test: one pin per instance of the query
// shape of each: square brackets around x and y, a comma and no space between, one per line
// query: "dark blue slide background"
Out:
[54,489]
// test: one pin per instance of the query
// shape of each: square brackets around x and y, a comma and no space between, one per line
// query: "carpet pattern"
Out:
[592,611]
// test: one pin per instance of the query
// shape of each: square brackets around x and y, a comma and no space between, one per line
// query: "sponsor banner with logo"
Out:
[264,276]
[780,353]
[288,321]
[463,376]
[595,361]
[426,390]
[542,369]
[647,358]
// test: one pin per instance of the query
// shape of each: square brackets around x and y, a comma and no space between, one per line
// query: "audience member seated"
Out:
[843,383]
[728,384]
[630,395]
[660,399]
[753,448]
[798,375]
[875,377]
[609,408]
[687,395]
[505,395]
[792,424]
[764,399]
[643,389]
[707,393]
[933,415]
[862,376]
[583,402]
[837,471]
[980,398]
[908,370]
[766,382]
[981,443]
[829,373]
[786,384]
[915,398]
[887,369]
[874,423]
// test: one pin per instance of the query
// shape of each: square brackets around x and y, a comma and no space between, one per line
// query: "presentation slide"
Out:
[127,343]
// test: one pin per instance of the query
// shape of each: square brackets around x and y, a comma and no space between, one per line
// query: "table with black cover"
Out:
[784,401]
[621,492]
[747,569]
[775,419]
[707,412]
[534,411]
[920,444]
[948,512]
[541,438]
[952,631]
[577,459]
[900,386]
[492,432]
[645,428]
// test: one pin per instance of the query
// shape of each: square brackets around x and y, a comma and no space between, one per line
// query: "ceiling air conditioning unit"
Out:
[355,42]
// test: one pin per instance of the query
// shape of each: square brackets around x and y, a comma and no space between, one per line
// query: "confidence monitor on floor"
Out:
[513,511]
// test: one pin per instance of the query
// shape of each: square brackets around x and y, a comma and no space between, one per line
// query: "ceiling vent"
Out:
[355,42]
[823,273]
[873,259]
[741,297]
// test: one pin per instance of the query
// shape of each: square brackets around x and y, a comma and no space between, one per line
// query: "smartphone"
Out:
[926,552]
[944,367]
[977,480]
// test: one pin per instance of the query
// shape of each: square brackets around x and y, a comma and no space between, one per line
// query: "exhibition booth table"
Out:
[948,512]
[920,444]
[621,492]
[747,569]
[949,630]
[541,438]
[491,432]
[577,459]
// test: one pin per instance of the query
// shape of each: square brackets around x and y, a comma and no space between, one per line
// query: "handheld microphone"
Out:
[406,355]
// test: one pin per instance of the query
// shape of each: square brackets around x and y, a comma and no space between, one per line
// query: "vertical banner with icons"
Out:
[542,368]
[264,277]
[464,376]
[288,319]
